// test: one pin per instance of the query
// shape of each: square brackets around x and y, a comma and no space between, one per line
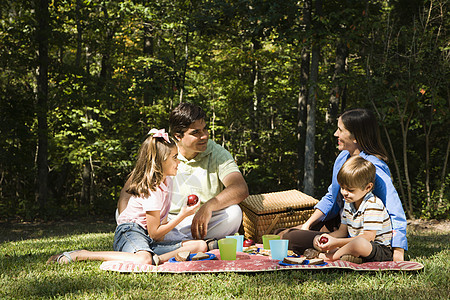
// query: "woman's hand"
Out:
[317,215]
[305,226]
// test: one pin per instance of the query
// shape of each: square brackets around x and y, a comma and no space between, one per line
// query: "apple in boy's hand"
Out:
[248,243]
[323,240]
[192,200]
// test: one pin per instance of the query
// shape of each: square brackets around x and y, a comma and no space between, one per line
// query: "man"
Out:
[207,170]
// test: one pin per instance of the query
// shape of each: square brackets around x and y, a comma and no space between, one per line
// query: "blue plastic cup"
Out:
[279,249]
[239,240]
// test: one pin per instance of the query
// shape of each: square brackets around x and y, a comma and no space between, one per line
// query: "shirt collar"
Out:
[200,155]
[361,206]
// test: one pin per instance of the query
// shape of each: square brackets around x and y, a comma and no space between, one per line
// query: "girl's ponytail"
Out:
[148,173]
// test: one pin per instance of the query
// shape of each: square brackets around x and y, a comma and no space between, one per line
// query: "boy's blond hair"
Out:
[356,172]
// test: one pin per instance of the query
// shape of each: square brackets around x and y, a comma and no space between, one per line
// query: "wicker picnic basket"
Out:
[264,213]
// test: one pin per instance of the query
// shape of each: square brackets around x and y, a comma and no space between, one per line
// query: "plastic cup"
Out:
[227,248]
[240,242]
[267,237]
[279,249]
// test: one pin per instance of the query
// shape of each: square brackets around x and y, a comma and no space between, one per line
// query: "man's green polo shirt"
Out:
[202,175]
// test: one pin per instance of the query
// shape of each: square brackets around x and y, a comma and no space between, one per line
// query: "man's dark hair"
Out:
[183,116]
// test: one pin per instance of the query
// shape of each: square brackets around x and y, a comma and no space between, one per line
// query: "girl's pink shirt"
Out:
[138,206]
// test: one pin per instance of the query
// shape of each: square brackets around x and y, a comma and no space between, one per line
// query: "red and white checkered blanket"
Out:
[251,263]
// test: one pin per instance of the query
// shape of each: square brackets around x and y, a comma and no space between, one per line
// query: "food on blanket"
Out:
[315,261]
[294,260]
[251,249]
[265,252]
[182,256]
[192,200]
[311,253]
[200,256]
[291,253]
[248,243]
[323,240]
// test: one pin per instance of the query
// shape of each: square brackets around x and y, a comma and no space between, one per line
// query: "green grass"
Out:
[24,249]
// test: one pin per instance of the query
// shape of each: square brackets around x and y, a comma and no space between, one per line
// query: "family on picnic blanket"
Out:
[360,219]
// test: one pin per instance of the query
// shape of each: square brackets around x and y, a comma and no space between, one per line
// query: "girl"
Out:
[143,224]
[357,134]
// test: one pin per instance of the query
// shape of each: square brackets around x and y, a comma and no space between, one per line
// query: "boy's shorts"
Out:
[379,253]
[131,237]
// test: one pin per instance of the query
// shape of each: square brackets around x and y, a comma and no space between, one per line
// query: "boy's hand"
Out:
[324,242]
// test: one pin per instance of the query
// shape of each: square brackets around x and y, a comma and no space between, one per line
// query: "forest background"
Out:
[83,81]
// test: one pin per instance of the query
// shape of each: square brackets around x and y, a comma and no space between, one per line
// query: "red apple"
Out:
[248,243]
[323,240]
[192,200]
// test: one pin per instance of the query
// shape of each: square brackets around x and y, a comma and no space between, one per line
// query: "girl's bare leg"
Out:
[142,257]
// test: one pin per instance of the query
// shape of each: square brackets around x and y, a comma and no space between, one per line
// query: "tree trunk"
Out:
[43,32]
[444,174]
[301,114]
[106,69]
[256,97]
[338,89]
[79,32]
[311,108]
[86,188]
[310,124]
[404,124]
[427,132]
[303,98]
[148,72]
[186,57]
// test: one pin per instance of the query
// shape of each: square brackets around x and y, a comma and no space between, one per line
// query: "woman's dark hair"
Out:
[183,116]
[363,125]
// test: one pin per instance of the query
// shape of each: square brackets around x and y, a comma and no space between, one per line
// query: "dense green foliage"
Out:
[117,68]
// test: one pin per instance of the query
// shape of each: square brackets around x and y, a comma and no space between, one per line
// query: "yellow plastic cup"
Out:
[267,237]
[227,248]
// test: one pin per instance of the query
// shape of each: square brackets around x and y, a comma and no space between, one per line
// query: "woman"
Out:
[357,134]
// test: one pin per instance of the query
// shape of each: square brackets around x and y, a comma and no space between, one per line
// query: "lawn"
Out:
[25,248]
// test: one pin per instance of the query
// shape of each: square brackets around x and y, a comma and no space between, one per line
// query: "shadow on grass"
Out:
[427,244]
[10,232]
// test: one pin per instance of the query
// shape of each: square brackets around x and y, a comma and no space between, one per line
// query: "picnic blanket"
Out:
[246,263]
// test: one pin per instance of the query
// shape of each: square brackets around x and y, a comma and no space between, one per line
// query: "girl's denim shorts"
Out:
[131,237]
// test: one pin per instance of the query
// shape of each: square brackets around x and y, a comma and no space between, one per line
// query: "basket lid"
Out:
[278,202]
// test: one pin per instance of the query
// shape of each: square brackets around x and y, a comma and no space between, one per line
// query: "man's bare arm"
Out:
[236,190]
[124,197]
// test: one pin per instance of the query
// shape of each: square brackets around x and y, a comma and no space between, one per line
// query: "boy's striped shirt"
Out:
[371,215]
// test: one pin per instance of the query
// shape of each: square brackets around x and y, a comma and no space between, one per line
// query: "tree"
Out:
[42,37]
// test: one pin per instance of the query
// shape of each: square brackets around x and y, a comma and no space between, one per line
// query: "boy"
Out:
[366,230]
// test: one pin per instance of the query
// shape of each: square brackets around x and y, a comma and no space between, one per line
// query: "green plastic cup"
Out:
[240,241]
[227,248]
[267,237]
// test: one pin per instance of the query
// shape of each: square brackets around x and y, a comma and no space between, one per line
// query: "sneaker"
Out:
[155,260]
[311,253]
[351,258]
[212,244]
